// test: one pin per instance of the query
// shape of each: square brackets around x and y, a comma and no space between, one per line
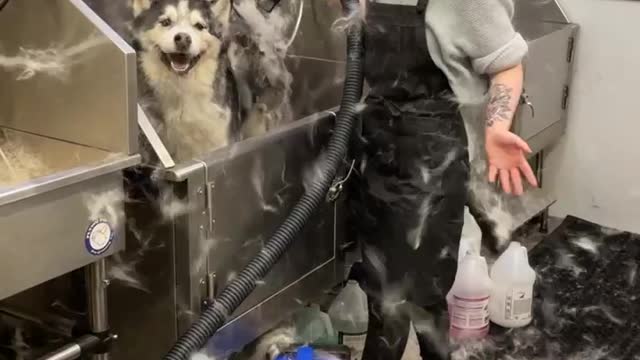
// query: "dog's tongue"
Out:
[179,62]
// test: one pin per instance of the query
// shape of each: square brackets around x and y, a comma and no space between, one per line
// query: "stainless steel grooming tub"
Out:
[76,120]
[548,71]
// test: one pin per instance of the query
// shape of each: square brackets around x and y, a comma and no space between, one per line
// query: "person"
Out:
[428,64]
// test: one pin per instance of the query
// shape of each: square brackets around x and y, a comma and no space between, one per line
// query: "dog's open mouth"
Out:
[181,63]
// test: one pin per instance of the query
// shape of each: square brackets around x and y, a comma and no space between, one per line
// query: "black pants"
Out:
[406,209]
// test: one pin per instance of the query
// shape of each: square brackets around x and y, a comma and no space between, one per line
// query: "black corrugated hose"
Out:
[237,291]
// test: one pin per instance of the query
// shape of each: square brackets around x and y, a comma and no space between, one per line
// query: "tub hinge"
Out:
[209,283]
[208,289]
[570,49]
[211,186]
[565,97]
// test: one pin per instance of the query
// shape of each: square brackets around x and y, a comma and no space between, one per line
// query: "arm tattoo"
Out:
[499,105]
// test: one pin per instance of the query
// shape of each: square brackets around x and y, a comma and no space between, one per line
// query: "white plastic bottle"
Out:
[471,239]
[468,300]
[512,294]
[349,314]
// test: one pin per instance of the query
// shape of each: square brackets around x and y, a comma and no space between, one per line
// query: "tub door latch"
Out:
[524,99]
[209,290]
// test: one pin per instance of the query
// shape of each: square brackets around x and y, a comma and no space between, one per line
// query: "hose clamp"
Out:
[336,188]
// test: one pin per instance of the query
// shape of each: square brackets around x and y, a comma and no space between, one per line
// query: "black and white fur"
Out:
[257,53]
[183,71]
[206,75]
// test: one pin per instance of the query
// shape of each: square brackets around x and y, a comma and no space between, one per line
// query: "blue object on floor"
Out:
[304,353]
[317,352]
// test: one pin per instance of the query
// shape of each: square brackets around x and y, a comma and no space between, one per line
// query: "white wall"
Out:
[595,170]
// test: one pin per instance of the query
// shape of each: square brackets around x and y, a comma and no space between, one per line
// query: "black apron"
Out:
[407,203]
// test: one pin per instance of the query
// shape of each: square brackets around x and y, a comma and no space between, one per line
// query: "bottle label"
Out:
[469,314]
[517,305]
[355,342]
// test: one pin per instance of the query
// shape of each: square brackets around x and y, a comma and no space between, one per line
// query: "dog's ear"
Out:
[139,6]
[221,10]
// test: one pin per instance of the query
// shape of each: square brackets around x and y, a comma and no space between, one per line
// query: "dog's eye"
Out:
[200,26]
[165,22]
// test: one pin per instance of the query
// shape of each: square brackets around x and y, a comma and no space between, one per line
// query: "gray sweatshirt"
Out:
[470,40]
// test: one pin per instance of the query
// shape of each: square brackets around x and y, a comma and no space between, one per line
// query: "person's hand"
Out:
[506,158]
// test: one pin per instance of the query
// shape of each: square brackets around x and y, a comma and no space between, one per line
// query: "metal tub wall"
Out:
[235,197]
[84,106]
[251,194]
[540,11]
[80,126]
[548,71]
[317,60]
[250,189]
[44,236]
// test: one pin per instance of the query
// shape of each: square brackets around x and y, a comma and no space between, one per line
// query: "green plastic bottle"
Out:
[314,327]
[350,318]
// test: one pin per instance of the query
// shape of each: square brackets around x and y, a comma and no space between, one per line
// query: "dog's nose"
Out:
[183,41]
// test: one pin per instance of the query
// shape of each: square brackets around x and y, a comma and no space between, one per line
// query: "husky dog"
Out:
[209,72]
[183,71]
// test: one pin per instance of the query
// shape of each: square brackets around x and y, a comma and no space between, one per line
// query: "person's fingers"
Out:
[517,181]
[522,144]
[504,181]
[515,140]
[493,173]
[526,170]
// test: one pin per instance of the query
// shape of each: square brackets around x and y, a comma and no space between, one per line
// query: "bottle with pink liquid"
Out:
[468,300]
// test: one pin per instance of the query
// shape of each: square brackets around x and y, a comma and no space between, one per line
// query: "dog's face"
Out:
[180,32]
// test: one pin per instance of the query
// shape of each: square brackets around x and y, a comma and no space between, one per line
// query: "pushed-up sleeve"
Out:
[484,32]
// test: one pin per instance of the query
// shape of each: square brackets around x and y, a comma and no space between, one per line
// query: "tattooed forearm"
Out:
[499,105]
